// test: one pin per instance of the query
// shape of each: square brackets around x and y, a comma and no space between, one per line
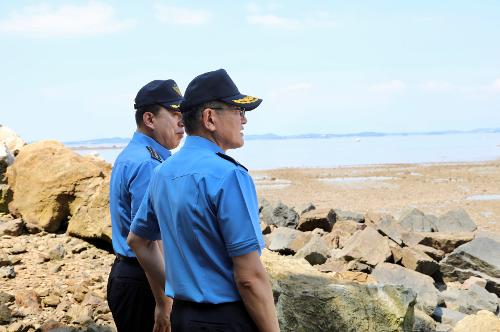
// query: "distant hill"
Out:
[123,141]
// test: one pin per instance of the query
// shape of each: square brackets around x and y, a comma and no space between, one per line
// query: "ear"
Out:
[147,119]
[209,119]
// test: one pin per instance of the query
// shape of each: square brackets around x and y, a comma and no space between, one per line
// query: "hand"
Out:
[162,316]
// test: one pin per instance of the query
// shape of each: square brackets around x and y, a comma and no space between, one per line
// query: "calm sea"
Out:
[343,151]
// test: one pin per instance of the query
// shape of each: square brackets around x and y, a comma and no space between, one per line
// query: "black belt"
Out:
[126,259]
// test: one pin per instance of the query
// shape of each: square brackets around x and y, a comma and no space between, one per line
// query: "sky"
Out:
[70,70]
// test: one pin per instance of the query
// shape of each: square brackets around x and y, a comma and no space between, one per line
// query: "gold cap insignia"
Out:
[174,106]
[177,90]
[245,100]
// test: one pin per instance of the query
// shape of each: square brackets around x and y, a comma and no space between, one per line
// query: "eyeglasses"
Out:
[232,108]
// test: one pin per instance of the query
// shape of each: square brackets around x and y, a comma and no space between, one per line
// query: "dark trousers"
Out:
[204,317]
[129,297]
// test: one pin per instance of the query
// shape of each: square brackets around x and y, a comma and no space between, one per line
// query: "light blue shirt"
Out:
[129,181]
[206,209]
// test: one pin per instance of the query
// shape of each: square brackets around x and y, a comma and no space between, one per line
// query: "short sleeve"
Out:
[145,223]
[238,214]
[139,183]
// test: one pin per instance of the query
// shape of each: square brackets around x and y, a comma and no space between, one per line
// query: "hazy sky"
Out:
[70,69]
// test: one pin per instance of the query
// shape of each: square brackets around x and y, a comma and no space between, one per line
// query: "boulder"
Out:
[447,242]
[306,208]
[51,184]
[475,258]
[279,215]
[435,254]
[416,260]
[13,227]
[333,265]
[415,220]
[483,321]
[342,215]
[366,246]
[427,295]
[423,322]
[6,159]
[447,316]
[317,218]
[315,251]
[470,301]
[474,281]
[5,314]
[455,221]
[11,140]
[388,226]
[307,300]
[288,241]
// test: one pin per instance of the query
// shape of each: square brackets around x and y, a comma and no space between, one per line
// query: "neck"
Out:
[210,136]
[146,131]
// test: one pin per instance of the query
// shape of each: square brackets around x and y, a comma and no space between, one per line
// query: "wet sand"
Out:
[432,188]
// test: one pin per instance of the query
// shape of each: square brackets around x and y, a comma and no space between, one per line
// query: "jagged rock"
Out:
[415,220]
[51,183]
[474,281]
[7,272]
[288,241]
[279,215]
[315,251]
[5,314]
[423,285]
[4,259]
[79,314]
[447,316]
[470,301]
[6,297]
[348,215]
[13,227]
[5,197]
[51,300]
[455,221]
[356,266]
[367,246]
[6,159]
[11,140]
[483,321]
[475,258]
[28,301]
[308,300]
[333,265]
[321,218]
[52,325]
[306,208]
[435,254]
[446,242]
[423,322]
[416,260]
[387,225]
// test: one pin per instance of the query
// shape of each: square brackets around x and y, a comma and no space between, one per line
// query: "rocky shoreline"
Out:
[331,269]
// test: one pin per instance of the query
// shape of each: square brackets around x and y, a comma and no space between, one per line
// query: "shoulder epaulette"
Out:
[225,156]
[154,154]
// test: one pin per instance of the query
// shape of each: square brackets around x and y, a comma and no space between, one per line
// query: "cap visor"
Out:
[245,101]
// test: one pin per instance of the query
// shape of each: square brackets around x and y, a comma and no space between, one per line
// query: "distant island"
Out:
[119,142]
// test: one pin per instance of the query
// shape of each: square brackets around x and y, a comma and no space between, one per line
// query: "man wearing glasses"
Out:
[205,206]
[159,129]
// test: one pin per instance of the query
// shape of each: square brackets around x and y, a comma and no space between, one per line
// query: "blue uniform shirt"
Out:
[129,181]
[207,211]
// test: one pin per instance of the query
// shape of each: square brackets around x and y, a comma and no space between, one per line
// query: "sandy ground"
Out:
[432,188]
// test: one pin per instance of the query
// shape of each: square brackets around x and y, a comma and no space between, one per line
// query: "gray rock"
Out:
[315,251]
[358,267]
[7,272]
[28,302]
[348,215]
[447,316]
[428,296]
[57,252]
[475,258]
[306,208]
[470,301]
[455,221]
[6,196]
[6,298]
[415,220]
[288,241]
[366,246]
[435,254]
[447,242]
[4,259]
[388,226]
[322,218]
[279,215]
[13,227]
[423,322]
[6,159]
[5,314]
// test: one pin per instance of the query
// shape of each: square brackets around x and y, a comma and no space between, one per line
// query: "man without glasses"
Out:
[205,206]
[159,129]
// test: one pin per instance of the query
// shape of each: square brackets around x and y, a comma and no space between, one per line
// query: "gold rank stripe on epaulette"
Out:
[154,154]
[225,156]
[245,100]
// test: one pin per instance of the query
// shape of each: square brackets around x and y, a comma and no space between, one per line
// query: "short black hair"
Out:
[191,118]
[155,109]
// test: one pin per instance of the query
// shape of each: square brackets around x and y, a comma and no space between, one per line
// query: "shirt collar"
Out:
[201,143]
[149,141]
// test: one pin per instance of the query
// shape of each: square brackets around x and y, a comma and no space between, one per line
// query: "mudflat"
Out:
[431,188]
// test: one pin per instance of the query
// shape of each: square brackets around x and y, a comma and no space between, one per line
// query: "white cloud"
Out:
[436,86]
[495,86]
[181,16]
[393,86]
[65,21]
[310,21]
